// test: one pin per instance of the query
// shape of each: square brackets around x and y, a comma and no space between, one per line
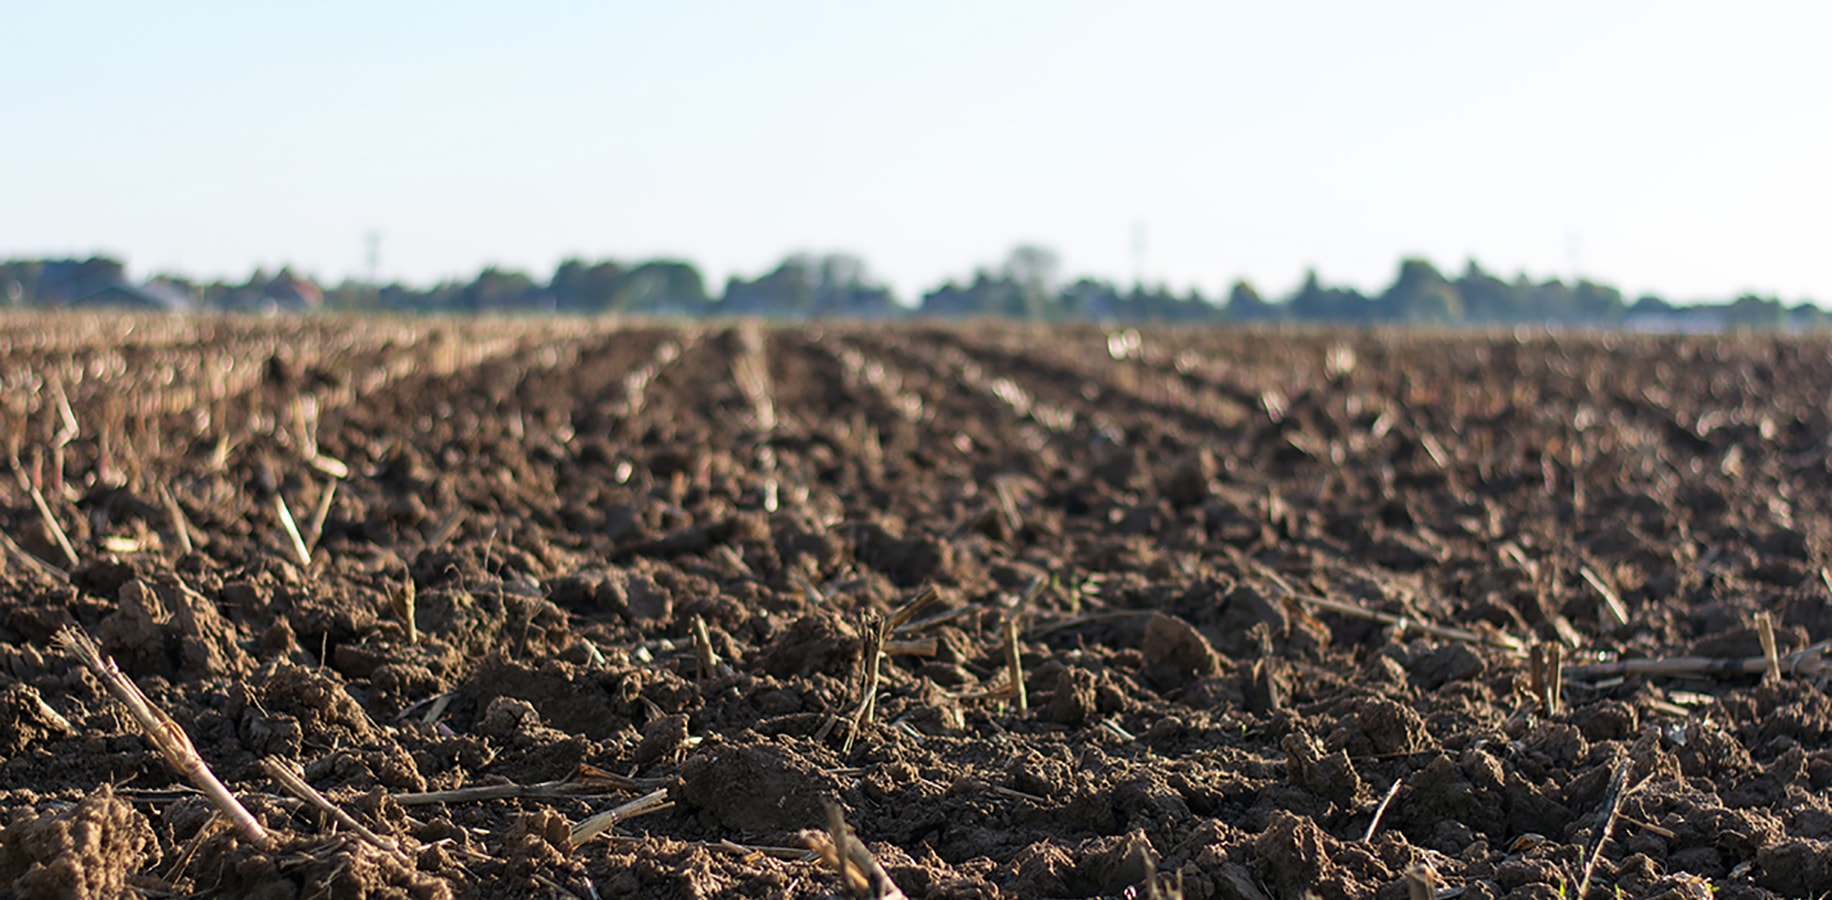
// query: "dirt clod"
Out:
[1176,653]
[85,851]
[754,790]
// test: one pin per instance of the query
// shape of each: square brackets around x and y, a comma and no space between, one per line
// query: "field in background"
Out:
[1242,613]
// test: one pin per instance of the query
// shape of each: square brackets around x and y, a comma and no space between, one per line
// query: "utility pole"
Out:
[1138,257]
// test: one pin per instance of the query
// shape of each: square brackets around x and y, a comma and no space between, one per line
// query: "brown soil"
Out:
[564,502]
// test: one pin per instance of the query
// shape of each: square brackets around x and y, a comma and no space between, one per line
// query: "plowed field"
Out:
[1060,612]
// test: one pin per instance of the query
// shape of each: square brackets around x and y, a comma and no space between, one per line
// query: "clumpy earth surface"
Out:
[1275,597]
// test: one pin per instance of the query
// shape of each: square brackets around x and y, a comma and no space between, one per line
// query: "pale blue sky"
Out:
[1673,147]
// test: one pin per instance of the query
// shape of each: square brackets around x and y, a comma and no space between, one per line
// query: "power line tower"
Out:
[373,243]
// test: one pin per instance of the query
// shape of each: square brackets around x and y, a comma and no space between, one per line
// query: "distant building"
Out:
[137,297]
[290,293]
[61,282]
[285,293]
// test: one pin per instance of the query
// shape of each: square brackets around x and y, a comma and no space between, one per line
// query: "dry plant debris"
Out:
[859,871]
[164,734]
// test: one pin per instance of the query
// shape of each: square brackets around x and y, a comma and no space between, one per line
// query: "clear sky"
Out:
[1682,148]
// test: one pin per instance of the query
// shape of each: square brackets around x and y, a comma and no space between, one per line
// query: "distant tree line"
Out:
[1027,285]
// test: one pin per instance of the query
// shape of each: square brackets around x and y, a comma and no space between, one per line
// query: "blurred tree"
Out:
[1420,294]
[349,295]
[948,301]
[842,273]
[1650,305]
[496,289]
[1025,285]
[1548,301]
[788,291]
[986,295]
[661,287]
[1315,303]
[1034,271]
[1752,312]
[1487,299]
[1160,304]
[1808,317]
[1089,298]
[578,286]
[1596,304]
[1245,304]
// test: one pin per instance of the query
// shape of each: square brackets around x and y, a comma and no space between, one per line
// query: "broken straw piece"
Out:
[163,732]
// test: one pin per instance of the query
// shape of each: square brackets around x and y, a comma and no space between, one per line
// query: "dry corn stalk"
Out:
[707,657]
[860,873]
[1613,612]
[1421,882]
[1808,661]
[1545,670]
[175,516]
[876,629]
[1014,665]
[51,525]
[164,733]
[320,515]
[287,774]
[292,530]
[1765,630]
[403,602]
[654,801]
[19,553]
